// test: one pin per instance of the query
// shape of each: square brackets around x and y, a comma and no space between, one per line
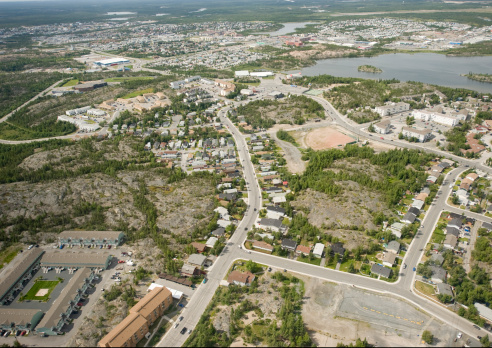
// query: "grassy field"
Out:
[424,288]
[137,93]
[8,255]
[128,78]
[41,284]
[71,83]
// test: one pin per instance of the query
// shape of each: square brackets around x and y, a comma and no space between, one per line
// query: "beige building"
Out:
[136,325]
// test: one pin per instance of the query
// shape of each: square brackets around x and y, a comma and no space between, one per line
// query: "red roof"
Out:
[303,249]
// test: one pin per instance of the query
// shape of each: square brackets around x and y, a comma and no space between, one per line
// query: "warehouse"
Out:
[23,270]
[89,86]
[59,313]
[77,259]
[92,238]
[112,61]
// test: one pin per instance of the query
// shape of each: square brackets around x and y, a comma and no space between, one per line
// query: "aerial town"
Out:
[198,176]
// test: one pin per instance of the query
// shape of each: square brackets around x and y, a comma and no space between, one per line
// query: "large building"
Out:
[382,127]
[437,117]
[136,325]
[392,108]
[89,86]
[93,238]
[15,278]
[19,319]
[59,313]
[77,259]
[112,61]
[421,134]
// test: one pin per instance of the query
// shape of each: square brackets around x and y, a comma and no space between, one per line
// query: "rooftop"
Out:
[151,301]
[75,258]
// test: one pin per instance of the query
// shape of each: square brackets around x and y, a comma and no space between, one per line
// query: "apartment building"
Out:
[382,127]
[392,108]
[421,134]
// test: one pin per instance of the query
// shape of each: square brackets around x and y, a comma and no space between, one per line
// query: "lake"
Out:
[288,28]
[430,68]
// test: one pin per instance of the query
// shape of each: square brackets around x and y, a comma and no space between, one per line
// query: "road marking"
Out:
[394,316]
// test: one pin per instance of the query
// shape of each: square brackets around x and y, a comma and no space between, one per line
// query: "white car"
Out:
[459,335]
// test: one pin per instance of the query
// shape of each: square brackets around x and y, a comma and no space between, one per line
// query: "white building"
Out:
[96,112]
[241,73]
[318,250]
[78,111]
[246,92]
[382,127]
[421,134]
[392,108]
[437,117]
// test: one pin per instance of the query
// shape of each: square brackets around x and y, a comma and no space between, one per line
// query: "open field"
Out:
[41,290]
[137,93]
[327,138]
[70,83]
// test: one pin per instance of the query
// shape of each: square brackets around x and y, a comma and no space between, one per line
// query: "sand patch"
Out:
[327,138]
[42,292]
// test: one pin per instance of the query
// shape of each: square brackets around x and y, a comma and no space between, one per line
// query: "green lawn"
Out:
[71,83]
[8,255]
[41,284]
[424,288]
[314,261]
[438,236]
[137,93]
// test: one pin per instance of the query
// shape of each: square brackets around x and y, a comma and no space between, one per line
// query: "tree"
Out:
[428,337]
[485,341]
[371,128]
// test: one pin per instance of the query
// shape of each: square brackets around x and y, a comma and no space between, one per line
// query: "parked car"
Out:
[459,335]
[23,333]
[121,261]
[189,331]
[183,331]
[176,325]
[204,280]
[181,318]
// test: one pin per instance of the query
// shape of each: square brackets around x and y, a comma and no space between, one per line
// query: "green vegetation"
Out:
[39,285]
[71,83]
[8,254]
[129,78]
[427,337]
[285,136]
[137,93]
[358,343]
[33,60]
[369,68]
[479,77]
[483,48]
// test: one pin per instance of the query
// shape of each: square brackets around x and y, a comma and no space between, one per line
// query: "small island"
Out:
[479,77]
[370,69]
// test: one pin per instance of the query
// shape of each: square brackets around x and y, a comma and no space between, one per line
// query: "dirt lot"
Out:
[327,138]
[340,313]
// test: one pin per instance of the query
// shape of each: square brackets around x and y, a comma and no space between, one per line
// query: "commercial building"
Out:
[89,86]
[112,61]
[92,238]
[382,127]
[19,319]
[77,259]
[392,108]
[421,134]
[136,325]
[66,304]
[13,279]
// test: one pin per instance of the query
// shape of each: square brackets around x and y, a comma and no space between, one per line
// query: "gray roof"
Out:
[271,222]
[10,277]
[381,270]
[61,304]
[409,217]
[487,225]
[19,317]
[437,258]
[438,272]
[189,269]
[484,311]
[393,245]
[453,231]
[276,209]
[445,289]
[111,235]
[197,259]
[289,243]
[456,222]
[414,210]
[219,232]
[67,258]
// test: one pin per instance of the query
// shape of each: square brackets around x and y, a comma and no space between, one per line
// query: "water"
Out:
[288,28]
[430,68]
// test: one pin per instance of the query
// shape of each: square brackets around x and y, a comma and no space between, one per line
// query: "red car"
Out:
[80,304]
[121,261]
[23,333]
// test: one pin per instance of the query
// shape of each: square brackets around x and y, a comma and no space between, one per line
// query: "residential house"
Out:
[414,210]
[271,224]
[450,241]
[431,179]
[337,248]
[472,176]
[389,259]
[444,289]
[210,243]
[189,271]
[456,223]
[380,270]
[219,232]
[262,246]
[274,212]
[289,245]
[396,228]
[200,247]
[418,204]
[303,250]
[452,231]
[393,247]
[318,250]
[437,259]
[241,278]
[409,218]
[438,274]
[197,260]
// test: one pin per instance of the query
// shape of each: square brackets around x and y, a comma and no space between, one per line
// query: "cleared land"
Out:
[41,290]
[327,138]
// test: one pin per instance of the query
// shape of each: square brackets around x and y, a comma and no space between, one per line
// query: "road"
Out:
[402,288]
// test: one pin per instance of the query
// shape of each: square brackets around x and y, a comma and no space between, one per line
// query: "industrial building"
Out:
[59,313]
[77,259]
[136,325]
[19,319]
[13,280]
[112,61]
[90,86]
[91,238]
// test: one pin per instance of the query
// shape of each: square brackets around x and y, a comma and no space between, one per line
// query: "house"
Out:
[337,248]
[393,247]
[262,246]
[418,204]
[189,270]
[487,225]
[450,241]
[414,210]
[380,270]
[437,259]
[444,289]
[197,260]
[421,196]
[289,245]
[409,218]
[318,250]
[472,176]
[431,179]
[484,311]
[438,274]
[200,247]
[452,231]
[219,232]
[456,223]
[271,224]
[241,278]
[274,212]
[303,250]
[396,228]
[210,243]
[389,259]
